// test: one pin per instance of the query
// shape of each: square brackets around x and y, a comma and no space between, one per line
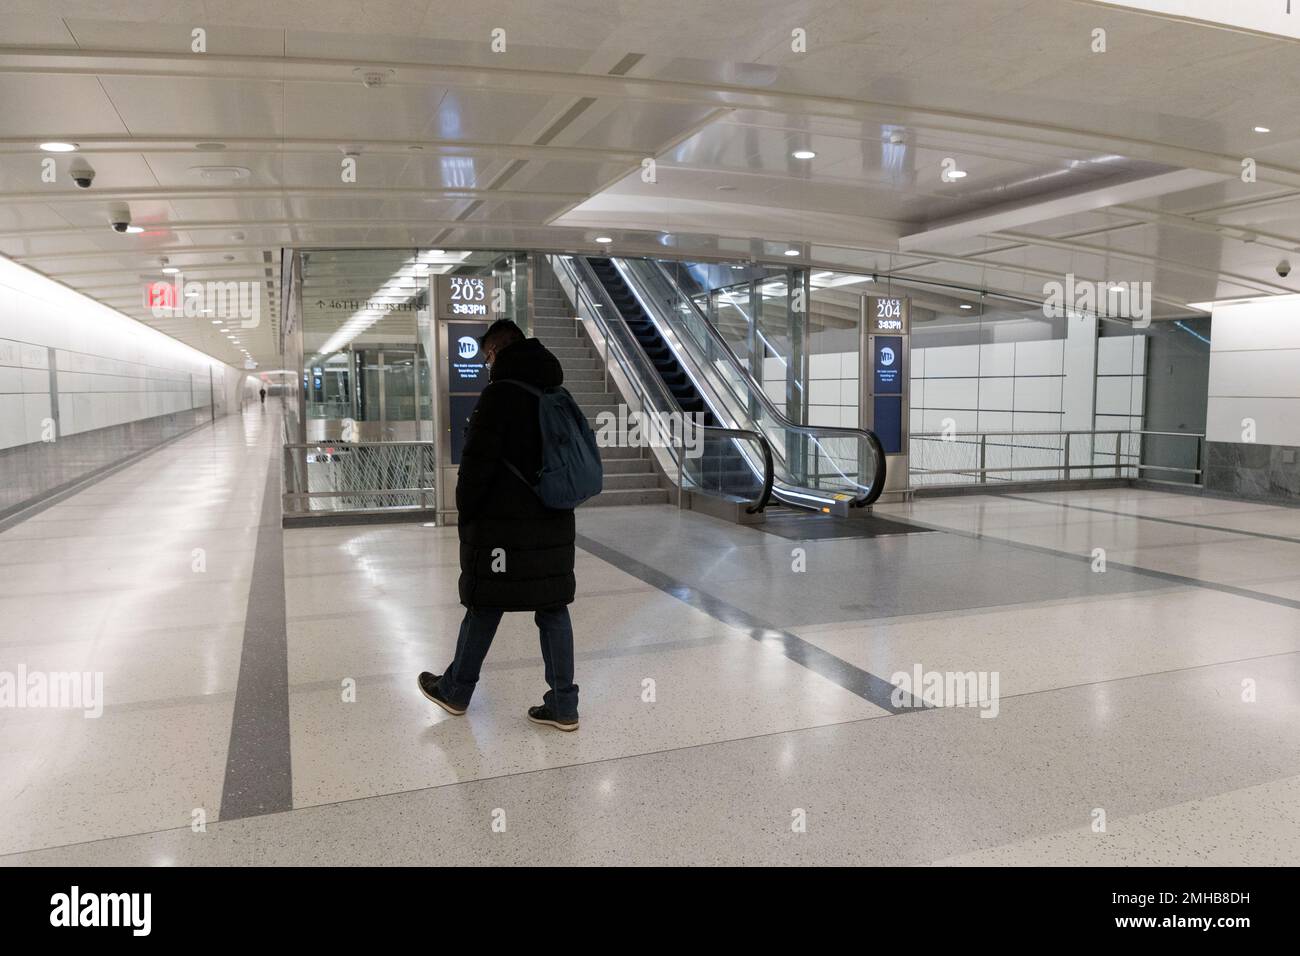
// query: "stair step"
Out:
[657,496]
[593,397]
[615,452]
[624,466]
[634,481]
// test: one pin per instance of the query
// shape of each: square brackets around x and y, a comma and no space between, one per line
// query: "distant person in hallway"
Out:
[262,393]
[515,553]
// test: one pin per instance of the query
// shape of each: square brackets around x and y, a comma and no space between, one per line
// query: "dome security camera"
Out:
[119,217]
[1283,268]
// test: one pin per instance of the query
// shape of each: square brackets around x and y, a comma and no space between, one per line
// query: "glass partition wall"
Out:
[366,336]
[363,436]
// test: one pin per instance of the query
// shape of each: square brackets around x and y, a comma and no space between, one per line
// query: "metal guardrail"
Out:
[1067,453]
[348,477]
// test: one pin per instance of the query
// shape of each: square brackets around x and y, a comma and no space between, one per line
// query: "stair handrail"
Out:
[863,434]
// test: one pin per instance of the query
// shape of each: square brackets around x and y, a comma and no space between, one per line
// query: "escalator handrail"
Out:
[637,381]
[864,434]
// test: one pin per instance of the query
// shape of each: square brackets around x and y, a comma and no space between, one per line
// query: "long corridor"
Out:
[733,680]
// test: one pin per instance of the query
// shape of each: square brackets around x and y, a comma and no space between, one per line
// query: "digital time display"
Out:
[464,297]
[887,315]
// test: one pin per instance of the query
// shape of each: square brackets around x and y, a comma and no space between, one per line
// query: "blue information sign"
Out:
[889,365]
[887,373]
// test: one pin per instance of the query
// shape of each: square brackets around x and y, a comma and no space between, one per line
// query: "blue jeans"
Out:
[478,628]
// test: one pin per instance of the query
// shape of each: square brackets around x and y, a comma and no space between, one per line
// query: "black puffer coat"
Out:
[497,510]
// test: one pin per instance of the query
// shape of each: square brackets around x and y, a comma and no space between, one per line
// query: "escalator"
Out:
[652,342]
[830,470]
[664,357]
[722,465]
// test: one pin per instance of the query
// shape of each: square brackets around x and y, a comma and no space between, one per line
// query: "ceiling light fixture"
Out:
[956,174]
[132,230]
[604,240]
[792,252]
[1262,129]
[804,154]
[59,147]
[967,305]
[170,270]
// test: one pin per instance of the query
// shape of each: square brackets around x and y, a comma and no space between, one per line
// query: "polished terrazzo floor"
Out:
[725,695]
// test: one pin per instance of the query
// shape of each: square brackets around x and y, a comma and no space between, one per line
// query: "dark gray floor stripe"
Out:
[258,771]
[1179,579]
[1125,514]
[854,679]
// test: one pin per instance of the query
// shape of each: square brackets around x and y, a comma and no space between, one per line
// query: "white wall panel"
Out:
[1039,358]
[111,369]
[997,358]
[1037,394]
[951,360]
[1273,374]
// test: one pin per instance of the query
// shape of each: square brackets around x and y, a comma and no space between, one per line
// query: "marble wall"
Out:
[37,470]
[1257,472]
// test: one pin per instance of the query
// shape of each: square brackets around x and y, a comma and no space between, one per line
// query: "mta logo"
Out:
[886,356]
[467,346]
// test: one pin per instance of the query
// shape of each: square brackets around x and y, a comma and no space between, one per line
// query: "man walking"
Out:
[515,553]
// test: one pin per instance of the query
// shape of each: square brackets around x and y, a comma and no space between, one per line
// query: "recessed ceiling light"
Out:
[216,321]
[603,239]
[966,305]
[1262,129]
[792,252]
[804,154]
[170,270]
[59,147]
[132,230]
[956,174]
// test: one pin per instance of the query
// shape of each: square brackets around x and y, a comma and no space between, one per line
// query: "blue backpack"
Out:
[571,470]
